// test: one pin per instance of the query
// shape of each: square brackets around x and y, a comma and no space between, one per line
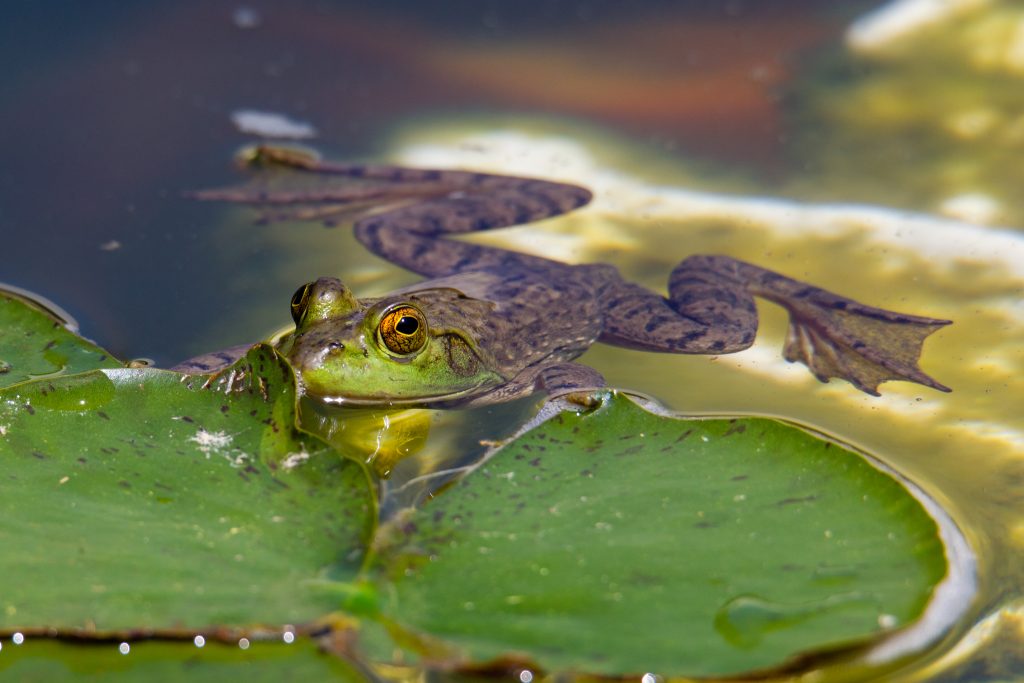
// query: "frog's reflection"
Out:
[413,451]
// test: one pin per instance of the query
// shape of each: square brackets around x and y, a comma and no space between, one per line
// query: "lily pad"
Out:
[142,499]
[35,342]
[47,661]
[620,542]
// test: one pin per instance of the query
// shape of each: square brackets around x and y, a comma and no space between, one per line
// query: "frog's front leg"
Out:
[554,380]
[710,309]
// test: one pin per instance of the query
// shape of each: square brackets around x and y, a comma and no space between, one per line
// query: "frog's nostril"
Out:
[335,347]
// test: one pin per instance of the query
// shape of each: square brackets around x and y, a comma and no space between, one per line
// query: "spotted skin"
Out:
[507,324]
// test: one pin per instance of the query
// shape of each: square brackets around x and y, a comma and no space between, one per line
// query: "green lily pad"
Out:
[47,661]
[142,499]
[619,541]
[35,343]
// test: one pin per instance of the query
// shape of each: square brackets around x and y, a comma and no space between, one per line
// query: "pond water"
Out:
[876,161]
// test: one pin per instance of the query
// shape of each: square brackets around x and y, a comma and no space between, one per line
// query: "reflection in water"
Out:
[992,645]
[953,145]
[413,451]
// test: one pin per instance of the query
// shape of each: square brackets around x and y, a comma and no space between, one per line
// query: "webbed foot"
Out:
[839,337]
[830,334]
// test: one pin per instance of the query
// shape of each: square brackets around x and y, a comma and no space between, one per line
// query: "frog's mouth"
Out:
[388,401]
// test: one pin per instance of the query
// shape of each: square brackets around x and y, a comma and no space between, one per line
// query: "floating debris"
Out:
[271,125]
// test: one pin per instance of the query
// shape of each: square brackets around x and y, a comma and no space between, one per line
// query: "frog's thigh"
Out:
[702,316]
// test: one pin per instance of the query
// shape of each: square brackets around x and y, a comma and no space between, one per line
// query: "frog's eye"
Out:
[403,330]
[300,301]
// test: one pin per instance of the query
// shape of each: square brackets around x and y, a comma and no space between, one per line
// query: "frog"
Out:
[489,325]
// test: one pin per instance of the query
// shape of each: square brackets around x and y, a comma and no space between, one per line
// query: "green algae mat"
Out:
[139,504]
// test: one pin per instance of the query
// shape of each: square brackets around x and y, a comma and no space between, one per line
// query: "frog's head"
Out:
[380,351]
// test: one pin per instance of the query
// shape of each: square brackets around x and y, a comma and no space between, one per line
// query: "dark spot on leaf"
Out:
[225,408]
[633,450]
[100,413]
[29,409]
[124,484]
[792,501]
[736,428]
[683,435]
[535,462]
[740,477]
[186,418]
[39,454]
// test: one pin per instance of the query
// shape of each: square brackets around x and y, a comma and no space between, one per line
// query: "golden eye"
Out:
[403,330]
[300,301]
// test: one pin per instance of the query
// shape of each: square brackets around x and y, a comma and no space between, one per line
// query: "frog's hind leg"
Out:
[411,235]
[833,335]
[712,318]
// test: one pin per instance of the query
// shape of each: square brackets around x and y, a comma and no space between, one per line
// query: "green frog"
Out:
[491,325]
